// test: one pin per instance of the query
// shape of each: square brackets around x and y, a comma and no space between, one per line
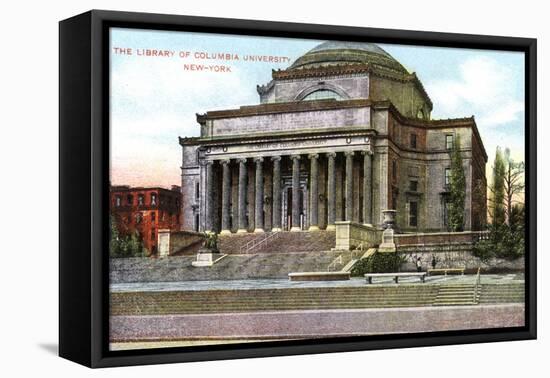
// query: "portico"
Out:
[292,191]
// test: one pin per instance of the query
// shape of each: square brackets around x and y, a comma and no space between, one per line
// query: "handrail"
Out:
[338,260]
[477,286]
[262,239]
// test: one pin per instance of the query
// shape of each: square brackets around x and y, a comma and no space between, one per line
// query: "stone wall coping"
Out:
[358,225]
[314,274]
[439,234]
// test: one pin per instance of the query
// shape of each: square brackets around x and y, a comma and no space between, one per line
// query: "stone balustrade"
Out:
[351,235]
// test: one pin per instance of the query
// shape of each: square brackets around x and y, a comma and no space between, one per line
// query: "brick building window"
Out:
[413,214]
[153,216]
[413,140]
[130,199]
[449,141]
[118,201]
[153,199]
[140,200]
[152,234]
[139,218]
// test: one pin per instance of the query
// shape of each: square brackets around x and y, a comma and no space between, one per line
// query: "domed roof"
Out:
[340,52]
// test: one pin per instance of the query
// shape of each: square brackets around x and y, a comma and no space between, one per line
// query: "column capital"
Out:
[276,158]
[258,159]
[225,161]
[295,157]
[367,152]
[313,156]
[206,162]
[349,153]
[241,160]
[331,154]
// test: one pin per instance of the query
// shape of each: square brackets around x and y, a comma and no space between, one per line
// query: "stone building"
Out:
[146,211]
[342,134]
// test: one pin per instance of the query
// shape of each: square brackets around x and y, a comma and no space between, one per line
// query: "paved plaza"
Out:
[514,278]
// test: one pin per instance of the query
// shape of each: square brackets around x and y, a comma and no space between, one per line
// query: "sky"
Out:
[154,99]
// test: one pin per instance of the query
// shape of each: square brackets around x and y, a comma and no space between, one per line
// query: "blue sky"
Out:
[154,99]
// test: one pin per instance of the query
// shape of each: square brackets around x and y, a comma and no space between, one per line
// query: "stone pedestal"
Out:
[205,258]
[388,244]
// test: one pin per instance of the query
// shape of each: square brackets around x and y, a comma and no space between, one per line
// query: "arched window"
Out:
[322,94]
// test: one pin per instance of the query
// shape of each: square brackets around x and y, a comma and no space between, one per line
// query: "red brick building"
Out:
[146,210]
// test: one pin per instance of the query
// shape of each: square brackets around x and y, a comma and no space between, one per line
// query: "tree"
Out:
[124,245]
[457,189]
[498,213]
[506,237]
[514,185]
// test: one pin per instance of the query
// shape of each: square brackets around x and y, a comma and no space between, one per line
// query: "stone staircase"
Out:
[456,295]
[311,298]
[285,242]
[232,267]
[502,293]
[317,298]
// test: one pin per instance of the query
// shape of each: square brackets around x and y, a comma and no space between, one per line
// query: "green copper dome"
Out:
[341,53]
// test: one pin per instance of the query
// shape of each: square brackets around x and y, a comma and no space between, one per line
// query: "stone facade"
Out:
[341,135]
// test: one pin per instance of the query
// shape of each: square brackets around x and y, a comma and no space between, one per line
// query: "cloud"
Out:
[484,88]
[153,101]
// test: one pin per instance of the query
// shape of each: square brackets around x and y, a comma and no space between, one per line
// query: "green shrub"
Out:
[379,263]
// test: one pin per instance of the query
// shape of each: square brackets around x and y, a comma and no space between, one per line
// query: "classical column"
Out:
[367,187]
[314,193]
[226,196]
[259,203]
[349,185]
[331,191]
[276,182]
[209,196]
[242,196]
[295,193]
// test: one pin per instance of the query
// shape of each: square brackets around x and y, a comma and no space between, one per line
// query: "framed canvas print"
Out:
[234,188]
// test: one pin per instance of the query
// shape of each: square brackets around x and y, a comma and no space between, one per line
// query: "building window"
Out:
[449,141]
[152,234]
[446,213]
[130,199]
[447,177]
[140,200]
[196,222]
[413,214]
[394,201]
[394,170]
[413,186]
[153,217]
[153,199]
[139,218]
[118,201]
[413,140]
[197,191]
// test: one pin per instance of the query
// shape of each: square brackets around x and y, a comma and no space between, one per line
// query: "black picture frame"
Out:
[84,187]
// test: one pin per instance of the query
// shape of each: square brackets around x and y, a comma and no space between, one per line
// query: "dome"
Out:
[341,53]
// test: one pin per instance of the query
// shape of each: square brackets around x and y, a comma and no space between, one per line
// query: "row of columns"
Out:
[314,192]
